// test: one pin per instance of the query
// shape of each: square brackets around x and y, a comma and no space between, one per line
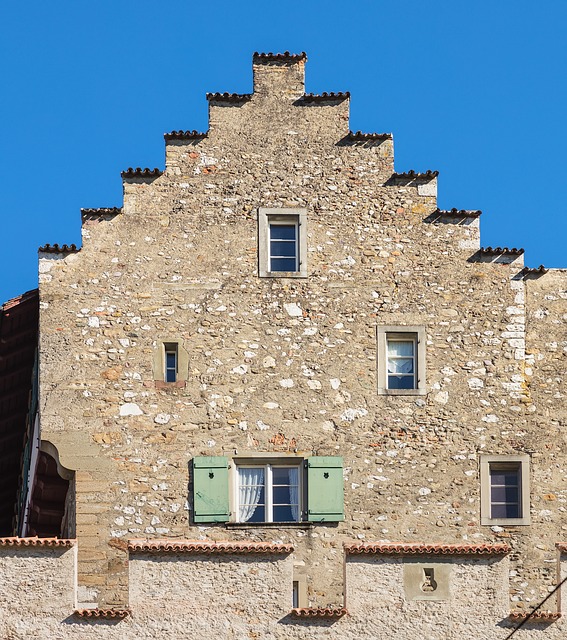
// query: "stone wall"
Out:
[289,365]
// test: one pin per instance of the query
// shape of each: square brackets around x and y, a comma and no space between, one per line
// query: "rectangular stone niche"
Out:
[427,580]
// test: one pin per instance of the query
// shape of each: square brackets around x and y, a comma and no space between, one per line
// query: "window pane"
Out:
[170,375]
[282,264]
[258,514]
[400,365]
[400,347]
[170,359]
[281,248]
[281,495]
[282,232]
[505,511]
[401,382]
[284,475]
[504,494]
[284,514]
[507,478]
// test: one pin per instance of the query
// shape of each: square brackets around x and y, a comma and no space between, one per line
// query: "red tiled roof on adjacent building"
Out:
[198,546]
[405,549]
[36,542]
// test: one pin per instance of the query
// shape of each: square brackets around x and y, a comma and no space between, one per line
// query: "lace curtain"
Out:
[250,483]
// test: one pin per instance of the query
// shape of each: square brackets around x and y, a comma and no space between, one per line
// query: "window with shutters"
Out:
[260,490]
[505,490]
[401,360]
[282,243]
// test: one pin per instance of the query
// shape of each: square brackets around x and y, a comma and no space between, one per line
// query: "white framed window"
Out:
[505,490]
[401,360]
[170,362]
[268,493]
[282,243]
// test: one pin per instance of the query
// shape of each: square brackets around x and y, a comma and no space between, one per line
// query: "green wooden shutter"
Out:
[325,494]
[210,489]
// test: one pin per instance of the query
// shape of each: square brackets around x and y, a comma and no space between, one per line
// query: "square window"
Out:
[268,493]
[282,243]
[505,494]
[401,360]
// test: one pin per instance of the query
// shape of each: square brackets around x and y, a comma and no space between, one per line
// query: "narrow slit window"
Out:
[171,362]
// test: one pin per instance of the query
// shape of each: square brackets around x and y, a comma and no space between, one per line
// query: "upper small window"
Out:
[170,361]
[505,493]
[282,243]
[401,360]
[170,364]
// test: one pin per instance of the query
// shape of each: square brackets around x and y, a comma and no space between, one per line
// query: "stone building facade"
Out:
[293,398]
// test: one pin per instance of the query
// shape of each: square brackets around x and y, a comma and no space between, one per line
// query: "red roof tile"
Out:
[55,248]
[36,542]
[286,56]
[141,173]
[198,546]
[561,546]
[405,549]
[319,612]
[536,616]
[102,613]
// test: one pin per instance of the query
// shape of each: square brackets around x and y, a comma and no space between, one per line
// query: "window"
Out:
[267,489]
[401,360]
[282,243]
[505,492]
[170,362]
[299,591]
[268,493]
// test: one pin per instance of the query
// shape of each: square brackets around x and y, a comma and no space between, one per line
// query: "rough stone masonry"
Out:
[275,368]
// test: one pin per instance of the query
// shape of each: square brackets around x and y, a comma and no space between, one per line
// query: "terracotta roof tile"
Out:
[326,97]
[461,213]
[102,613]
[405,549]
[198,546]
[36,542]
[102,211]
[185,135]
[536,616]
[286,56]
[229,97]
[141,173]
[319,612]
[561,547]
[358,136]
[23,297]
[535,270]
[55,248]
[429,175]
[498,251]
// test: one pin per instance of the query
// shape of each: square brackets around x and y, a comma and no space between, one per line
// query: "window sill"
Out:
[269,525]
[160,384]
[505,522]
[283,274]
[402,392]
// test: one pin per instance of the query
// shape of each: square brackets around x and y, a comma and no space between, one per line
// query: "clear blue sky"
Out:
[476,90]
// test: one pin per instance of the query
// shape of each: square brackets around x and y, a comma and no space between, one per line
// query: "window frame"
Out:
[170,348]
[493,462]
[391,333]
[268,217]
[159,363]
[268,463]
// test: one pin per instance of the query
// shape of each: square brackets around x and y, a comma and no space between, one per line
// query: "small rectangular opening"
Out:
[170,362]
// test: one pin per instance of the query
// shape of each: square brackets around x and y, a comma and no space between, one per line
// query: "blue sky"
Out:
[475,90]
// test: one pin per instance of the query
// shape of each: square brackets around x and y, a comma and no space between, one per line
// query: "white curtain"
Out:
[250,485]
[294,492]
